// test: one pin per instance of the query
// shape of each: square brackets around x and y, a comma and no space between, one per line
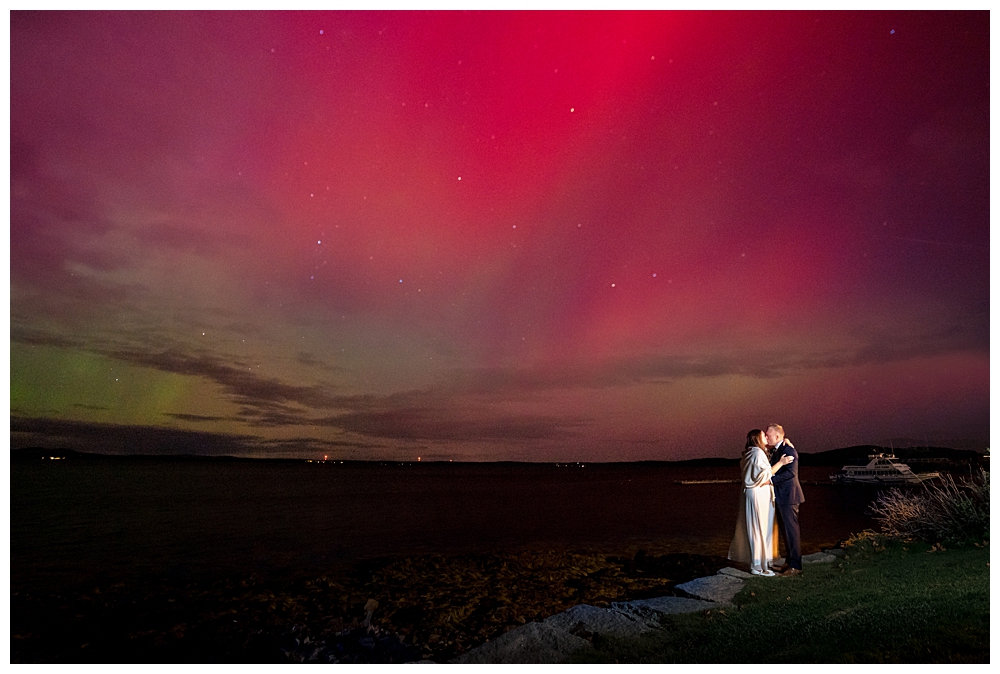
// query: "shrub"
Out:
[868,541]
[945,511]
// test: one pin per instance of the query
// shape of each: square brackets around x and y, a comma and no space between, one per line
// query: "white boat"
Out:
[881,469]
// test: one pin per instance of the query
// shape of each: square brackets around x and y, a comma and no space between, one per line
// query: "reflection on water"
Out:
[118,518]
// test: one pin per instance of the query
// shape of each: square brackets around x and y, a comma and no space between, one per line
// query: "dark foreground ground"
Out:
[895,603]
[428,607]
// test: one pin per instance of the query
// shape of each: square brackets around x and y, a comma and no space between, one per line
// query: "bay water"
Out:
[104,520]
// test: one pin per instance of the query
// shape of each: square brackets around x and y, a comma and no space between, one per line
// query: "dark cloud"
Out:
[965,334]
[43,202]
[126,439]
[23,335]
[442,424]
[102,438]
[49,218]
[307,359]
[310,360]
[194,417]
[293,444]
[99,408]
[246,387]
[969,334]
[263,413]
[300,447]
[68,299]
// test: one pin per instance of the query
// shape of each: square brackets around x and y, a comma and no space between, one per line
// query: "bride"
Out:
[754,541]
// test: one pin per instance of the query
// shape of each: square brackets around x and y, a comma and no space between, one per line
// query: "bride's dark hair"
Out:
[753,440]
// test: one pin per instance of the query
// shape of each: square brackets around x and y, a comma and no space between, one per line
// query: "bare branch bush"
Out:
[945,511]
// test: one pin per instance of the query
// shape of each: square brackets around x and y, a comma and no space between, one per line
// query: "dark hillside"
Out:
[922,456]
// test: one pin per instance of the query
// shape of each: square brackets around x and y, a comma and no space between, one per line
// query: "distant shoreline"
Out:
[833,457]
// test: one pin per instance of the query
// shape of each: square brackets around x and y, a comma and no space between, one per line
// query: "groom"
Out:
[787,497]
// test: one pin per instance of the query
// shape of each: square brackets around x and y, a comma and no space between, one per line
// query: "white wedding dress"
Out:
[754,539]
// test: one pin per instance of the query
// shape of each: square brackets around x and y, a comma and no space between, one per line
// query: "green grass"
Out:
[885,602]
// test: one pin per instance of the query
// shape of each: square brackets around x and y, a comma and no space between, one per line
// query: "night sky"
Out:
[546,236]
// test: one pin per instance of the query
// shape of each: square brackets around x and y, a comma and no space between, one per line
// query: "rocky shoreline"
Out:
[401,609]
[494,596]
[424,607]
[560,636]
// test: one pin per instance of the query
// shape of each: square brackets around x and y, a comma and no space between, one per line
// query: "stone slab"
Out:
[650,611]
[534,643]
[718,588]
[585,618]
[819,558]
[735,573]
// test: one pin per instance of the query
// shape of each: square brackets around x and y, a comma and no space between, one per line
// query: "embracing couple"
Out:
[770,485]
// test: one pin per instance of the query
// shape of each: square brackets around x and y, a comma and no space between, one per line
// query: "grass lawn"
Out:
[895,602]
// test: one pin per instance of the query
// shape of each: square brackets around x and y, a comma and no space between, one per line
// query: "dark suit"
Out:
[787,497]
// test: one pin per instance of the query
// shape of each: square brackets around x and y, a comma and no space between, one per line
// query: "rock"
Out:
[584,618]
[819,558]
[718,588]
[559,636]
[370,607]
[534,643]
[650,611]
[836,552]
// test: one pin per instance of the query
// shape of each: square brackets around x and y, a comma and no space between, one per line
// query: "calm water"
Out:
[74,521]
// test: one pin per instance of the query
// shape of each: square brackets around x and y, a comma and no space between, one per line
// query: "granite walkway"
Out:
[557,637]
